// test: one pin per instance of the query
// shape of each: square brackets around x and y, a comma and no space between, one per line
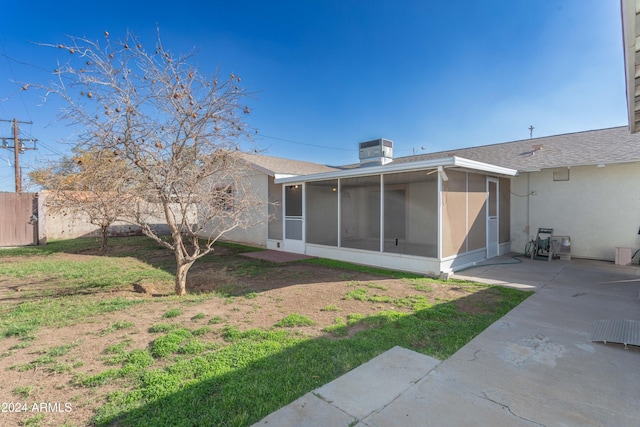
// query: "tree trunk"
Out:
[181,276]
[103,244]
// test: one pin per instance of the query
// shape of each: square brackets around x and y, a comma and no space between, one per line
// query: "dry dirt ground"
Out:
[261,300]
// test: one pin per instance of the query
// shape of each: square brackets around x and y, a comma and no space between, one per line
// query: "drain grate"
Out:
[618,331]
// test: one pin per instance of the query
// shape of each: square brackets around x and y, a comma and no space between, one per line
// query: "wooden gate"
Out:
[18,219]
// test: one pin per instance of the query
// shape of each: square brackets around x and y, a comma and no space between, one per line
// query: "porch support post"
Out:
[381,213]
[303,188]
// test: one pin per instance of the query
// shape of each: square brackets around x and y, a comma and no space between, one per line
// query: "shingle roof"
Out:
[604,146]
[277,165]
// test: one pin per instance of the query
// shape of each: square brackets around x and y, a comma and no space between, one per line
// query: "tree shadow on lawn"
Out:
[261,371]
[224,271]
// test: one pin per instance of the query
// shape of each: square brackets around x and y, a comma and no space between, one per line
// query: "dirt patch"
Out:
[247,295]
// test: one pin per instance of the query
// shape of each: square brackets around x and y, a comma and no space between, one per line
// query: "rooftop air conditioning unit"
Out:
[376,152]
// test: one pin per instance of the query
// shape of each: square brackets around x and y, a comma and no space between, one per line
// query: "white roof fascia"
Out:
[283,175]
[400,167]
[485,167]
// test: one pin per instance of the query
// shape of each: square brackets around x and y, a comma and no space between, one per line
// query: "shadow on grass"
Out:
[259,371]
[224,271]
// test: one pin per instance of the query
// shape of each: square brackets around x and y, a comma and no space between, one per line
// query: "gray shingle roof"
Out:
[277,165]
[613,145]
[603,146]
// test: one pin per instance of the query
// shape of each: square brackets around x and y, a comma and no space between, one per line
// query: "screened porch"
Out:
[428,217]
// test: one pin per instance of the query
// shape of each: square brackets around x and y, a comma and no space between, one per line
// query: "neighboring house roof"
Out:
[631,45]
[604,146]
[278,166]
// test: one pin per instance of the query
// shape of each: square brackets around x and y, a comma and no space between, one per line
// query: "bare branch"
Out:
[174,132]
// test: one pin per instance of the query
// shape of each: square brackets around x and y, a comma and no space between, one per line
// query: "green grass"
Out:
[93,274]
[252,268]
[162,327]
[117,326]
[294,320]
[23,391]
[134,364]
[338,329]
[174,312]
[24,319]
[198,316]
[359,294]
[215,320]
[35,421]
[361,268]
[259,371]
[49,358]
[224,375]
[169,343]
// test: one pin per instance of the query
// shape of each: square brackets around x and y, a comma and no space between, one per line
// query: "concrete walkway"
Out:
[534,367]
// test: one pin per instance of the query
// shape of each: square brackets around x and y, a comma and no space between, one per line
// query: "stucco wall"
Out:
[72,223]
[598,207]
[256,234]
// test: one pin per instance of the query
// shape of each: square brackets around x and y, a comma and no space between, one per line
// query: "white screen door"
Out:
[493,213]
[293,219]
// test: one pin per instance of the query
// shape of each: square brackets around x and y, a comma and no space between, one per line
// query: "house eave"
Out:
[579,165]
[402,167]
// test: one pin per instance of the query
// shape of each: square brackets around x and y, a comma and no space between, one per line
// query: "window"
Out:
[223,198]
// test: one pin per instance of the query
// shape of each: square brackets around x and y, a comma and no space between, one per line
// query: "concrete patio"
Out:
[535,366]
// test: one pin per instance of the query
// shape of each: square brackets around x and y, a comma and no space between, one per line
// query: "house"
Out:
[582,185]
[439,212]
[265,220]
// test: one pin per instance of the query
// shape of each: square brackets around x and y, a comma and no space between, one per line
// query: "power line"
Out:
[4,50]
[52,150]
[307,144]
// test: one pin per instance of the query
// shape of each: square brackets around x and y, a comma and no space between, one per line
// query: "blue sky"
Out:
[329,74]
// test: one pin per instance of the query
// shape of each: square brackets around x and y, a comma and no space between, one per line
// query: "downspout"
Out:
[381,213]
[439,219]
[528,206]
[339,213]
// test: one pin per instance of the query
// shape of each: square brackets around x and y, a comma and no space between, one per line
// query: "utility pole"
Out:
[18,148]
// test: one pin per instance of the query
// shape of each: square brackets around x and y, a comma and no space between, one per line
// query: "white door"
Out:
[493,217]
[293,218]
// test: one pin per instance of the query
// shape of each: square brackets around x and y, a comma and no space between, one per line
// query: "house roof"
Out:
[284,167]
[436,164]
[595,147]
[604,146]
[631,44]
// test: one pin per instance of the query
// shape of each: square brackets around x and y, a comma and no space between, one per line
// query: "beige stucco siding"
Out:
[598,207]
[256,184]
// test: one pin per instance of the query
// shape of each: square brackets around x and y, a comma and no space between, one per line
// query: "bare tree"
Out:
[95,184]
[177,129]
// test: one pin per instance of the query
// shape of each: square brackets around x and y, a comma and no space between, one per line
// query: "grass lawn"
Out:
[103,336]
